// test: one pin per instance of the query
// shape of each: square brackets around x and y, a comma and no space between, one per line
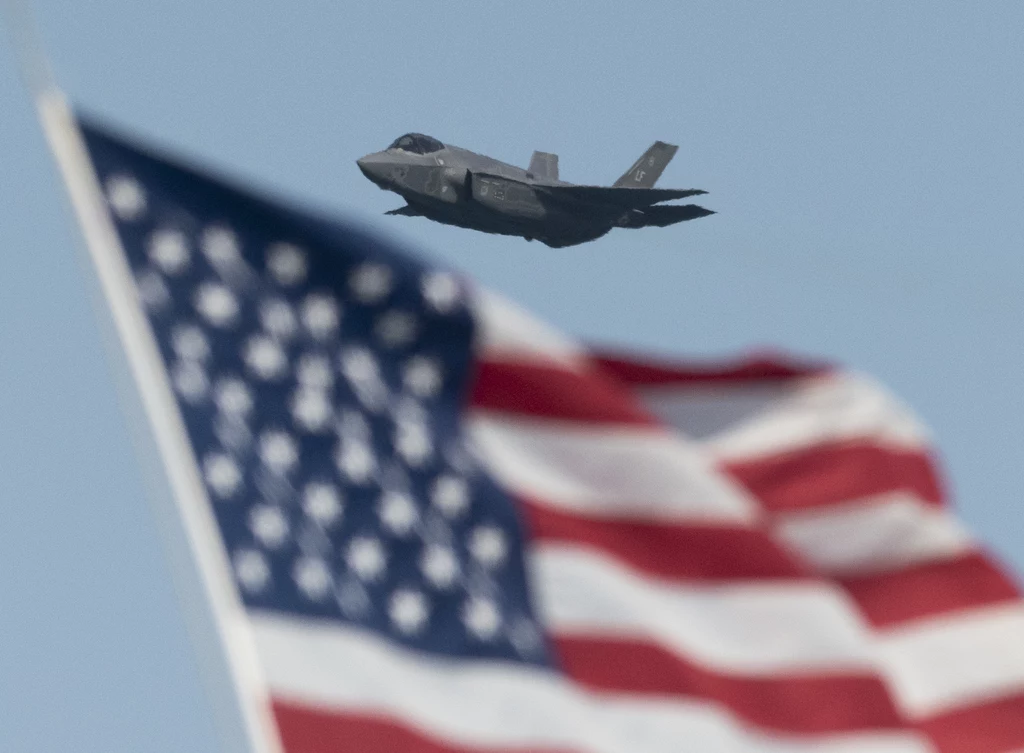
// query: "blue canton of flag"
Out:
[321,377]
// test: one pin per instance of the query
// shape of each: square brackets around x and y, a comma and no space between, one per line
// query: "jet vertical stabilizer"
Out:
[645,171]
[544,166]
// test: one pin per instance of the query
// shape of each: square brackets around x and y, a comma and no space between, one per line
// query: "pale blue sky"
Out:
[867,164]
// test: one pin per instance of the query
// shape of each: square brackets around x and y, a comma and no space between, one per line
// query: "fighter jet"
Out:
[458,187]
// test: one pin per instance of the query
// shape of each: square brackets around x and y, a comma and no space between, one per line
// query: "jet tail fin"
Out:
[544,166]
[645,171]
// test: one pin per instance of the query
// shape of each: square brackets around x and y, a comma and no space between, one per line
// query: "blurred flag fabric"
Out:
[455,529]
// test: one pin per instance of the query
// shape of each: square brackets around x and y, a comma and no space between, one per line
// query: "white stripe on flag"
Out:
[623,472]
[739,423]
[873,535]
[487,705]
[938,664]
[749,628]
[506,329]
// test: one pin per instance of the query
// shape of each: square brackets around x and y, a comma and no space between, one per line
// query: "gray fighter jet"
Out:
[458,187]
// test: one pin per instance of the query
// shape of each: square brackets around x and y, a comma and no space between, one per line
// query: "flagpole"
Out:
[233,634]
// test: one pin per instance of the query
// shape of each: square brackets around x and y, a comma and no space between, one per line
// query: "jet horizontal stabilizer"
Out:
[670,214]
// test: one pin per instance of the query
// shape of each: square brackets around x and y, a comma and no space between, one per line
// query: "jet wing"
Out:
[406,211]
[627,198]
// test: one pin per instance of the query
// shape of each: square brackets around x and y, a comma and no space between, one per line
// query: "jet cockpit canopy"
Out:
[417,143]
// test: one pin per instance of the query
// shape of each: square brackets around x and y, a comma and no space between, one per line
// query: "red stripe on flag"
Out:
[552,391]
[308,730]
[993,727]
[797,704]
[828,473]
[670,551]
[930,589]
[651,373]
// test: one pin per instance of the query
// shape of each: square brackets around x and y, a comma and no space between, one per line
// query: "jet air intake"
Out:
[454,185]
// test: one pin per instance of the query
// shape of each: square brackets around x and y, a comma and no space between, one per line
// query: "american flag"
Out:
[455,529]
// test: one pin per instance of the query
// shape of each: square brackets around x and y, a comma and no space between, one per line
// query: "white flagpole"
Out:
[65,140]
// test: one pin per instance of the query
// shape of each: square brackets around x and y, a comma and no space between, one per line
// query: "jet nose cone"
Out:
[374,168]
